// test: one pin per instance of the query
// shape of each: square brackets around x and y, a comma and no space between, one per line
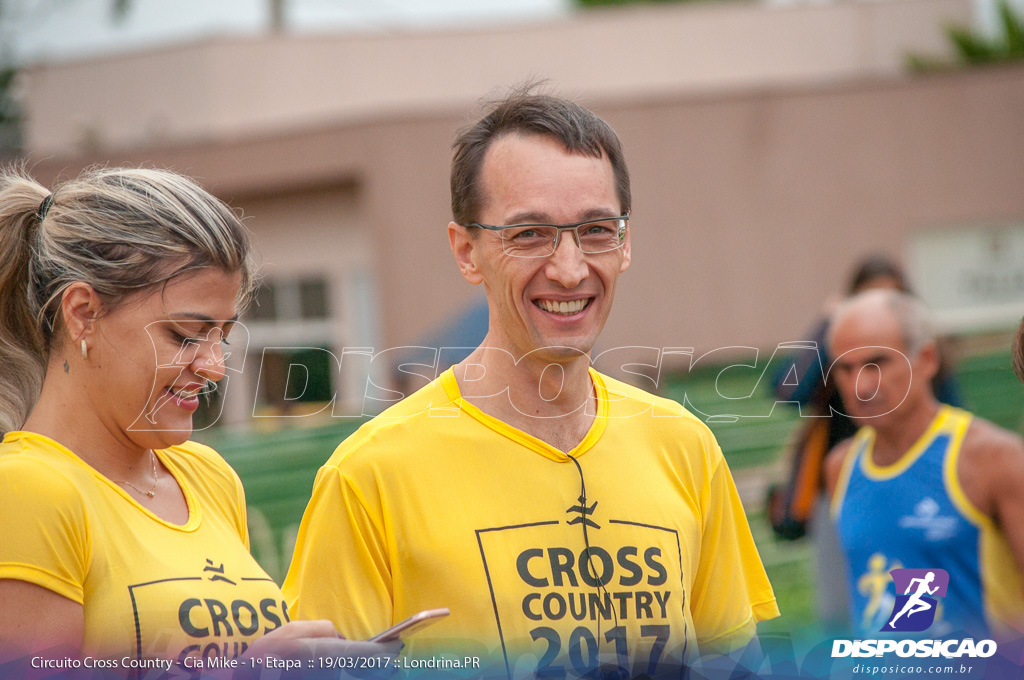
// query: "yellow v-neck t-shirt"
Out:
[434,503]
[149,588]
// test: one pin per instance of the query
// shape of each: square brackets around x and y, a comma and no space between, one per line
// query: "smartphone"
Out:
[410,625]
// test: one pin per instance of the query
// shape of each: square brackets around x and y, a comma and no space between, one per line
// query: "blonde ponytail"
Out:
[22,342]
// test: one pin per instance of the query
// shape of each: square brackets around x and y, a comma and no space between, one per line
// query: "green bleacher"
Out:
[278,468]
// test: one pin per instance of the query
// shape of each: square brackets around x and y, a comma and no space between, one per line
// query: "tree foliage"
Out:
[973,48]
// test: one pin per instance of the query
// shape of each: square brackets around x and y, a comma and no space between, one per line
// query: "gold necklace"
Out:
[152,489]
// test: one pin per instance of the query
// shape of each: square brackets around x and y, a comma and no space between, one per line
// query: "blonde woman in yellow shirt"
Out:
[120,539]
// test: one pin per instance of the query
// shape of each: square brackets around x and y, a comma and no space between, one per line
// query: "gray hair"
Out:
[910,313]
[121,230]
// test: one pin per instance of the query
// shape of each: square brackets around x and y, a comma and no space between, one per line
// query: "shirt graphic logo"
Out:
[572,595]
[926,517]
[583,511]
[874,585]
[914,610]
[218,572]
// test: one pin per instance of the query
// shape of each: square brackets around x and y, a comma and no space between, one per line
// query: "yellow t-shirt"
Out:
[436,504]
[149,588]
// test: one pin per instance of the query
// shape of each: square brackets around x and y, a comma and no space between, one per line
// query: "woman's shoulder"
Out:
[32,472]
[200,456]
[26,456]
[203,468]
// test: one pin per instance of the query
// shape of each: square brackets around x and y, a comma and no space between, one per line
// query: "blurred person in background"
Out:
[118,537]
[800,505]
[572,524]
[921,485]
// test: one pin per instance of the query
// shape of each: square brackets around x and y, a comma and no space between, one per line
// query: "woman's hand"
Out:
[315,639]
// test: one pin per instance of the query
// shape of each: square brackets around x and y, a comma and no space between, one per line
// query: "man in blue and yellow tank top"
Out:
[922,485]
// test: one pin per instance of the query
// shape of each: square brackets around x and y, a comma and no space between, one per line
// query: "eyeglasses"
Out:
[540,240]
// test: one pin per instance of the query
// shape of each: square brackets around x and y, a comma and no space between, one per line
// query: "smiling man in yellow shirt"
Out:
[570,522]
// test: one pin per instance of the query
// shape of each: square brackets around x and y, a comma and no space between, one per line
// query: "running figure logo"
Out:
[914,610]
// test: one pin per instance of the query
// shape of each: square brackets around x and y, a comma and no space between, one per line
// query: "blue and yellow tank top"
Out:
[914,514]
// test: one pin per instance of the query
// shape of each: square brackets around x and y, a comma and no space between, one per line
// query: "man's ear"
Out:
[928,360]
[80,305]
[464,248]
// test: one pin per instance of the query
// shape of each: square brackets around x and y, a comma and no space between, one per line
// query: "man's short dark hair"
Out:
[525,112]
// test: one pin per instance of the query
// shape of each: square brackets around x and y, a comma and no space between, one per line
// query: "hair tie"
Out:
[44,207]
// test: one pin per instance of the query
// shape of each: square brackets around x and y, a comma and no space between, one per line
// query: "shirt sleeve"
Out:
[340,569]
[43,524]
[731,591]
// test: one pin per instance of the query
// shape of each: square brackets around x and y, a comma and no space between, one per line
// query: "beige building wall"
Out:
[312,234]
[229,89]
[760,204]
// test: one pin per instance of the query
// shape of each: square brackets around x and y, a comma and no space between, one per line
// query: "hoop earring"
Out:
[85,350]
